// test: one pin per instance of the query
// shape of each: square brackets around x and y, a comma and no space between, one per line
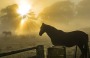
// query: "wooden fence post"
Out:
[64,52]
[56,52]
[40,51]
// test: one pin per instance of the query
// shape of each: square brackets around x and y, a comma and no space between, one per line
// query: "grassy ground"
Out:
[14,42]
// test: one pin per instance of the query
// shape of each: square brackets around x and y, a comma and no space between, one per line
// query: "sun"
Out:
[23,7]
[28,21]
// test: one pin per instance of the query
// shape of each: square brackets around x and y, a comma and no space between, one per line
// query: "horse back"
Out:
[74,36]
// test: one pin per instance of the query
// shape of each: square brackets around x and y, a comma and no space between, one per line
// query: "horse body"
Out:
[68,39]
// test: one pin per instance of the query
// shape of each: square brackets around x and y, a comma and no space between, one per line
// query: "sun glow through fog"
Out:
[24,7]
[29,20]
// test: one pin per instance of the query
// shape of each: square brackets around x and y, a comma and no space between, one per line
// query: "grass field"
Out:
[14,42]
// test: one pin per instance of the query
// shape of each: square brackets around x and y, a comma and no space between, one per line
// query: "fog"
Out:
[66,15]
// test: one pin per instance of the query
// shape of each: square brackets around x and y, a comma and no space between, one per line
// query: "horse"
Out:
[67,39]
[7,33]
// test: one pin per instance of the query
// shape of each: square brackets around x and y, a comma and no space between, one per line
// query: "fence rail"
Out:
[39,51]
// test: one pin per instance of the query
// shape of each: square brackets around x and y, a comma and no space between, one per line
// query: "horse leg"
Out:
[86,50]
[82,51]
[88,55]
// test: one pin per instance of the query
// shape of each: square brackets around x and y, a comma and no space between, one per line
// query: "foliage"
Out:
[10,17]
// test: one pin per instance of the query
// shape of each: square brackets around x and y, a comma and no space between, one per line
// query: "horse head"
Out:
[42,29]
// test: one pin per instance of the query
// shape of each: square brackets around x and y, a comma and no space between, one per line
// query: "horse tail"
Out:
[86,48]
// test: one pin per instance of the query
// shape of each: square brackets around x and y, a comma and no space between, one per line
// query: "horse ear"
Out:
[43,23]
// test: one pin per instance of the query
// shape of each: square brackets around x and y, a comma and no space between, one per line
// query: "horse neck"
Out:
[54,34]
[51,31]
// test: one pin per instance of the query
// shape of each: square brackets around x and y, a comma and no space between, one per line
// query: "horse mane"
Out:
[53,28]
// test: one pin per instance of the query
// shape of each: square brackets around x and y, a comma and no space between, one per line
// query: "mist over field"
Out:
[19,31]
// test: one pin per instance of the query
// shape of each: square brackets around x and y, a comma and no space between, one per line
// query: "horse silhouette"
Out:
[7,33]
[68,39]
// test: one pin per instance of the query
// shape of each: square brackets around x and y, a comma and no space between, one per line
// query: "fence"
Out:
[39,51]
[52,52]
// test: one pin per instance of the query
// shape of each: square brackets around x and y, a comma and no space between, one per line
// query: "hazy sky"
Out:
[37,5]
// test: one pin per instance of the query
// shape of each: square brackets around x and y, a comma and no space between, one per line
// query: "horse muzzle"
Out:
[40,34]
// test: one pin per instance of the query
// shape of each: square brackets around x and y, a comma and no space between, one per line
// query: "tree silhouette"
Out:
[9,17]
